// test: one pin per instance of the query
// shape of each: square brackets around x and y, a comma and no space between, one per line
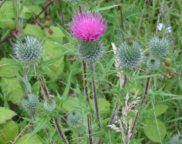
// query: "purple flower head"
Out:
[87,26]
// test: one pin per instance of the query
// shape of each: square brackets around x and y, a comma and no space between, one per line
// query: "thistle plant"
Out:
[88,28]
[129,56]
[74,119]
[153,63]
[159,47]
[50,104]
[28,49]
[30,104]
[90,52]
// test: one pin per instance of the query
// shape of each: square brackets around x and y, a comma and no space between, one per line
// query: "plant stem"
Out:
[55,120]
[89,121]
[141,103]
[59,130]
[44,87]
[95,95]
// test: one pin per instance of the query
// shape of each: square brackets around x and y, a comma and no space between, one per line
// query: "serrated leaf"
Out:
[8,131]
[12,89]
[155,130]
[8,68]
[6,114]
[29,139]
[53,57]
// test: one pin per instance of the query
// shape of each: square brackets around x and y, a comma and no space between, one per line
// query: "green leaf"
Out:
[106,8]
[8,131]
[8,10]
[29,139]
[53,57]
[7,15]
[159,109]
[6,114]
[71,103]
[12,89]
[7,23]
[29,10]
[56,33]
[155,130]
[104,106]
[35,30]
[8,68]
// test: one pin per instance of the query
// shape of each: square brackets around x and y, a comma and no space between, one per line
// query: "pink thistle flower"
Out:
[87,26]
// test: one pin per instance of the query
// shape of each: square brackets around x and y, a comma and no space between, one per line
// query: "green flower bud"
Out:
[28,49]
[50,105]
[153,63]
[74,119]
[129,56]
[30,104]
[90,51]
[159,47]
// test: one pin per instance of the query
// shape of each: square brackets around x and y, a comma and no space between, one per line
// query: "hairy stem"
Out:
[95,95]
[89,121]
[59,130]
[44,87]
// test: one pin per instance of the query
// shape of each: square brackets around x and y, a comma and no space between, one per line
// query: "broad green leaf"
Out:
[6,114]
[7,15]
[71,103]
[159,109]
[55,34]
[8,10]
[7,23]
[35,30]
[155,130]
[29,139]
[53,57]
[29,10]
[8,67]
[12,89]
[8,131]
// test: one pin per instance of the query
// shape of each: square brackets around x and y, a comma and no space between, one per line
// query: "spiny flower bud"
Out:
[50,105]
[153,63]
[129,56]
[159,47]
[30,104]
[90,51]
[176,139]
[74,119]
[28,49]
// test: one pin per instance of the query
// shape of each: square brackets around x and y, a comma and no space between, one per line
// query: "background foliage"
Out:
[127,19]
